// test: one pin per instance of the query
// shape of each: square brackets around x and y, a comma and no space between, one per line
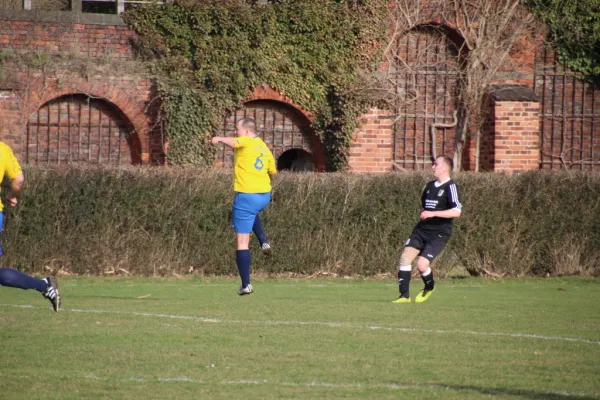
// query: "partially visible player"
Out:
[9,277]
[440,203]
[252,170]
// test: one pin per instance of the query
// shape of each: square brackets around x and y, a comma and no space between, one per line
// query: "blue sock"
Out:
[258,230]
[242,257]
[17,279]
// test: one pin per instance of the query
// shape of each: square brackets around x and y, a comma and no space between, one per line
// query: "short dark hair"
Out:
[448,161]
[247,123]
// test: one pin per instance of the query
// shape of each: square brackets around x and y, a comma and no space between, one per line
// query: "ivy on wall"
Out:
[574,28]
[209,55]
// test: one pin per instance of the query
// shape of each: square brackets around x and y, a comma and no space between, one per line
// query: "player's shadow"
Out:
[530,394]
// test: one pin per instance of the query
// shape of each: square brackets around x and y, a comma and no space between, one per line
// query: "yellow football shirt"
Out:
[9,166]
[253,164]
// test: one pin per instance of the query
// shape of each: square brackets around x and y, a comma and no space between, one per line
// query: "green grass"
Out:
[194,338]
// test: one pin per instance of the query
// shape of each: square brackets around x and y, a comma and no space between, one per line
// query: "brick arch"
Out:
[447,27]
[426,72]
[266,92]
[131,112]
[78,128]
[293,131]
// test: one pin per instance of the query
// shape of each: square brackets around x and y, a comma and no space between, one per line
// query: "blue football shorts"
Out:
[246,207]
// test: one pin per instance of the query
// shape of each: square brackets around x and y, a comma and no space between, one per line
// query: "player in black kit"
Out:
[441,204]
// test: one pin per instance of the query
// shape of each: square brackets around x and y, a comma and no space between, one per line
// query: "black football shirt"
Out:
[439,197]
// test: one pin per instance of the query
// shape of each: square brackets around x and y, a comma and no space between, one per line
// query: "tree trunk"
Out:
[461,135]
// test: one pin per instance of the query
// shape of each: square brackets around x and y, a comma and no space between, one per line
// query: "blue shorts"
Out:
[246,207]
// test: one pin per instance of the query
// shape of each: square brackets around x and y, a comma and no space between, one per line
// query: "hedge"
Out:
[165,221]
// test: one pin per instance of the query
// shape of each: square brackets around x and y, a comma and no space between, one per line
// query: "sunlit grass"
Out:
[195,338]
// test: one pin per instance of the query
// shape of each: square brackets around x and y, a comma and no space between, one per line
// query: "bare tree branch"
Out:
[489,30]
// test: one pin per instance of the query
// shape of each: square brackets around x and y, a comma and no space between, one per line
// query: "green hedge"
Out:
[172,221]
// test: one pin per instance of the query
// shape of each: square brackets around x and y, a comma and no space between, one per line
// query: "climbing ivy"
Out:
[209,55]
[574,28]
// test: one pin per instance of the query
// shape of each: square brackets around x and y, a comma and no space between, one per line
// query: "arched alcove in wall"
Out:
[281,126]
[79,129]
[296,160]
[426,72]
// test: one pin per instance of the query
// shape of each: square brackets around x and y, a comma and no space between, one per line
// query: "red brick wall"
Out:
[514,144]
[313,145]
[372,143]
[282,127]
[569,116]
[24,91]
[431,103]
[65,38]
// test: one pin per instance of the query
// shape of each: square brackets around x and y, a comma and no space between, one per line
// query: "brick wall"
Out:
[514,143]
[569,117]
[284,105]
[281,123]
[372,143]
[431,87]
[94,60]
[76,40]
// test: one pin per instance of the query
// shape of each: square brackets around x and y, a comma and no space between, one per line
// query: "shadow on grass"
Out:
[531,394]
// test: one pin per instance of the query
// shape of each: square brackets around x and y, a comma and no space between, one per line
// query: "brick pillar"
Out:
[372,143]
[511,141]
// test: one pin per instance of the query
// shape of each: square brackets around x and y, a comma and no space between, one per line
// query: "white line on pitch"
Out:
[323,323]
[266,382]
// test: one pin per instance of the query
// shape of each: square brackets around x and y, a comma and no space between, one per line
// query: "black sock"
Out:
[404,283]
[428,280]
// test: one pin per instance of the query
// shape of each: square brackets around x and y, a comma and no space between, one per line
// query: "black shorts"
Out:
[430,244]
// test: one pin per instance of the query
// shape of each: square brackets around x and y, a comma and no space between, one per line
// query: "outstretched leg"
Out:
[48,287]
[17,279]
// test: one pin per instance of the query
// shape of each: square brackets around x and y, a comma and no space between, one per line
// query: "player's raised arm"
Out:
[226,140]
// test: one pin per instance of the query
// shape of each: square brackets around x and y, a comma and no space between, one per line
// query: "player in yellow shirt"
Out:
[48,287]
[252,170]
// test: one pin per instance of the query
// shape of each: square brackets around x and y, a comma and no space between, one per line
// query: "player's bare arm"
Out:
[452,213]
[227,141]
[16,185]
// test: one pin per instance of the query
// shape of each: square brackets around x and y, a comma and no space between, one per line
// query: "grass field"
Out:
[151,338]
